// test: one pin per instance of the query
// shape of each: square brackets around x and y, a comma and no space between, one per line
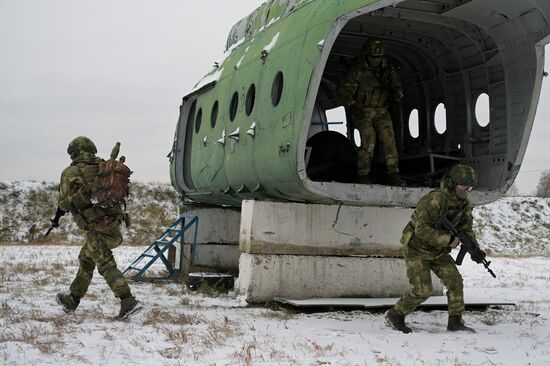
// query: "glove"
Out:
[453,243]
[478,256]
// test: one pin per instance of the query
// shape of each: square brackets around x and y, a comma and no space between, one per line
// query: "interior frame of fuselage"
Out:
[445,59]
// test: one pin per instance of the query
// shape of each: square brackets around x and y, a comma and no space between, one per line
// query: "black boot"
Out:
[397,321]
[128,306]
[68,301]
[456,324]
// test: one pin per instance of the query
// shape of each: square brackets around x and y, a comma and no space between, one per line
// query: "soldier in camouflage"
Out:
[101,227]
[426,248]
[366,91]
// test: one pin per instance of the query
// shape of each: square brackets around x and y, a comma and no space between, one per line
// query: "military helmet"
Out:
[375,48]
[464,175]
[81,144]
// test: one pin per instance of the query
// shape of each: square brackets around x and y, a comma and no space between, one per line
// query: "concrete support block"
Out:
[301,251]
[263,277]
[305,229]
[221,257]
[217,239]
[216,224]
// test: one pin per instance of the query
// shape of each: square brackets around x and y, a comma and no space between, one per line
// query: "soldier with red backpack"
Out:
[93,191]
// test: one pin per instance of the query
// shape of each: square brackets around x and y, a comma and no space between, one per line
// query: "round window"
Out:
[233,106]
[214,114]
[356,138]
[198,121]
[250,99]
[277,89]
[483,112]
[440,118]
[413,124]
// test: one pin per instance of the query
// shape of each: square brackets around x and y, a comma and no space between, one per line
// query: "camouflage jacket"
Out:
[367,86]
[421,233]
[75,188]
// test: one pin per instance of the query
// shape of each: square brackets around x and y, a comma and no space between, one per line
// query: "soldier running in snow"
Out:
[426,248]
[101,226]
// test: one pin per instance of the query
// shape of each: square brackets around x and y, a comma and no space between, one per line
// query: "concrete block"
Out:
[216,224]
[222,257]
[306,229]
[263,277]
[217,237]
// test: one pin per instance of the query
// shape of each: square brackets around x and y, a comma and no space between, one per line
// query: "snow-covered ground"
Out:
[182,327]
[178,327]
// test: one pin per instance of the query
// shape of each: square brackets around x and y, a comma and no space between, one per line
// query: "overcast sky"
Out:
[117,70]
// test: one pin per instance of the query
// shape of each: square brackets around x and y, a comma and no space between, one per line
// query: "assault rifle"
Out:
[55,221]
[467,245]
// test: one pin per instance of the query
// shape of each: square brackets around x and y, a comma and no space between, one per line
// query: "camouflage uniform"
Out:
[427,248]
[366,91]
[101,225]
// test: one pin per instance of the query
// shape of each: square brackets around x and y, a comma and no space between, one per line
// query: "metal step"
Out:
[164,242]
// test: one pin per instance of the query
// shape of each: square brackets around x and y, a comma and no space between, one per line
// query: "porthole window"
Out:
[191,115]
[483,112]
[356,138]
[198,121]
[336,117]
[440,118]
[413,124]
[277,89]
[233,106]
[214,114]
[250,99]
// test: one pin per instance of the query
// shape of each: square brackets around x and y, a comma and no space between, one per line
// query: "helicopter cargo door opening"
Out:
[470,79]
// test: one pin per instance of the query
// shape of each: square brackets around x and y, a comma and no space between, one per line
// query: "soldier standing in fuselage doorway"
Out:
[366,91]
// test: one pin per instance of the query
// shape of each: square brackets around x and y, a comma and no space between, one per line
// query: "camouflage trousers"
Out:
[373,124]
[96,252]
[418,272]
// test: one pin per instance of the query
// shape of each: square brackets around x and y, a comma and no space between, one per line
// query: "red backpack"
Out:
[110,186]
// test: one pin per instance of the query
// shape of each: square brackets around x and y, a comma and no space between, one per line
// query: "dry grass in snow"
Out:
[178,327]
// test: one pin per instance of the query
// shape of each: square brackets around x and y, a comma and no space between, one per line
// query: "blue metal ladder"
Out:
[162,244]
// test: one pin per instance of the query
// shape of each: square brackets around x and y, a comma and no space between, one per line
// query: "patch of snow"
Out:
[210,78]
[178,325]
[514,225]
[238,64]
[271,44]
[273,21]
[233,46]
